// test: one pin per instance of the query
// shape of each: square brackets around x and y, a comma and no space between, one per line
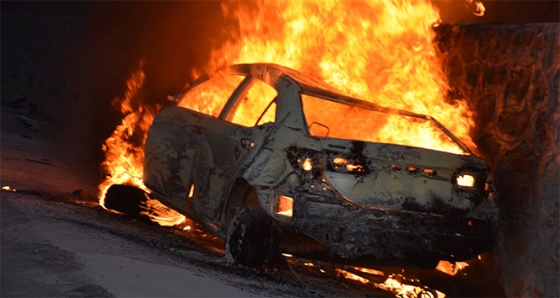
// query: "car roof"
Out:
[269,73]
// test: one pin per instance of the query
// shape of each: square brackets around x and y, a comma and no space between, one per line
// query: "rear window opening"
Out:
[326,118]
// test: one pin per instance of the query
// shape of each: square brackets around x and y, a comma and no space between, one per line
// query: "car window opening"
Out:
[211,96]
[345,121]
[251,108]
[269,114]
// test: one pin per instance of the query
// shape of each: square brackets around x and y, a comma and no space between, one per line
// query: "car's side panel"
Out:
[271,167]
[224,148]
[191,159]
[171,147]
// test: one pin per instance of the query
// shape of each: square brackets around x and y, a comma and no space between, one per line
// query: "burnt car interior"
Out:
[342,120]
[217,91]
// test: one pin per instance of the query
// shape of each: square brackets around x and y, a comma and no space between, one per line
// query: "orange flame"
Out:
[477,7]
[393,283]
[451,268]
[123,160]
[378,50]
[124,155]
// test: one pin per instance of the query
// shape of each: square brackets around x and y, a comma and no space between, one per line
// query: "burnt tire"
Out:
[249,238]
[126,199]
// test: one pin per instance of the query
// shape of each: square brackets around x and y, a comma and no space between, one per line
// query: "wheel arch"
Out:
[241,194]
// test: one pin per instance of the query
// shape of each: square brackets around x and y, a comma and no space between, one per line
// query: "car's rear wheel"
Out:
[126,199]
[249,238]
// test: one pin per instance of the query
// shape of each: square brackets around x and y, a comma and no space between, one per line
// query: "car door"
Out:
[177,134]
[229,145]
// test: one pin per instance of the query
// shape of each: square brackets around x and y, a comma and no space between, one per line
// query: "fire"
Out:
[478,8]
[404,290]
[124,151]
[394,283]
[377,50]
[123,159]
[451,268]
[353,276]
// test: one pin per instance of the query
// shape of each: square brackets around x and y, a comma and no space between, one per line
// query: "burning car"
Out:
[280,162]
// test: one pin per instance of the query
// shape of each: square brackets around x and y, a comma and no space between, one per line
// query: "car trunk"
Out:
[402,177]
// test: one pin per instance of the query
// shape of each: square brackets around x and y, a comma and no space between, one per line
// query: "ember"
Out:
[8,188]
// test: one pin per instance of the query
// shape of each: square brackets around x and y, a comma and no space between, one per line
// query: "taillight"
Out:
[465,180]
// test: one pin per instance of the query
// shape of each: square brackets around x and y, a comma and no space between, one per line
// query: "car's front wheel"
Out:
[249,238]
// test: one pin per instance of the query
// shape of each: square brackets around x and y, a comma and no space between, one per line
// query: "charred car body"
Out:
[265,169]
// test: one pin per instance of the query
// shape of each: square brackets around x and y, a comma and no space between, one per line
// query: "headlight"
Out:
[466,180]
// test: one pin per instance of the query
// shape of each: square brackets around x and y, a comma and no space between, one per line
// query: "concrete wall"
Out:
[510,75]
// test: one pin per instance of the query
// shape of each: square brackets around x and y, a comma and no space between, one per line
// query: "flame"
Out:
[397,284]
[124,151]
[451,268]
[123,159]
[353,276]
[378,50]
[162,215]
[394,283]
[477,7]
